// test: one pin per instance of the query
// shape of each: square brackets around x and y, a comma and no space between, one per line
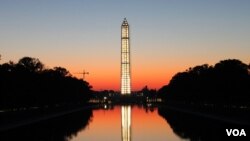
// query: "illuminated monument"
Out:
[125,59]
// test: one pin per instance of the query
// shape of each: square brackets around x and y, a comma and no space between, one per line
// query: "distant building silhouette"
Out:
[125,59]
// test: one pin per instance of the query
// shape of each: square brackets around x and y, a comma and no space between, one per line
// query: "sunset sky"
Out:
[167,36]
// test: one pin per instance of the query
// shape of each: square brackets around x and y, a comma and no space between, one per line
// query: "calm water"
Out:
[126,123]
[123,123]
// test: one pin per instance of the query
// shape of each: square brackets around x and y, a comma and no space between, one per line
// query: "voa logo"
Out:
[236,132]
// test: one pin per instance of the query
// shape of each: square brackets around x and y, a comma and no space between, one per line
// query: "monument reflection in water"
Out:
[126,123]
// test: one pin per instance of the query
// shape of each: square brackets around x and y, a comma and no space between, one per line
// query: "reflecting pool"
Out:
[124,123]
[127,123]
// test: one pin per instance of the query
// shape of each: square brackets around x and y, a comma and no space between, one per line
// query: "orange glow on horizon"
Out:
[104,82]
[110,79]
[154,73]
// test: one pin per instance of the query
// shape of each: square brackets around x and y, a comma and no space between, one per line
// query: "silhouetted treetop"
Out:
[31,64]
[231,66]
[61,71]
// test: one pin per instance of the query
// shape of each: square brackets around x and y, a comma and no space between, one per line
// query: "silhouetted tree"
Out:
[227,82]
[27,83]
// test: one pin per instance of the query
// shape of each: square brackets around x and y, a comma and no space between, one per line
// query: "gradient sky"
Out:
[167,36]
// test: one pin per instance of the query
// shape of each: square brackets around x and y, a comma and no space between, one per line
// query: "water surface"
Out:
[127,123]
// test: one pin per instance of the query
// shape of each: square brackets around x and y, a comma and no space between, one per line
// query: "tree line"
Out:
[28,83]
[227,82]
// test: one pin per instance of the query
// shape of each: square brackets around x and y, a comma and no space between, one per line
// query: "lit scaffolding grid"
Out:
[125,59]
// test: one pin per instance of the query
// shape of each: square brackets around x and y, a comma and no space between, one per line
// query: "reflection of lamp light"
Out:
[126,123]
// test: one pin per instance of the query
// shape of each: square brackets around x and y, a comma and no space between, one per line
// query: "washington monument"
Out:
[125,59]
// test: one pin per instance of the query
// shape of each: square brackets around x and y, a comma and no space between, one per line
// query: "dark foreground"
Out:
[184,122]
